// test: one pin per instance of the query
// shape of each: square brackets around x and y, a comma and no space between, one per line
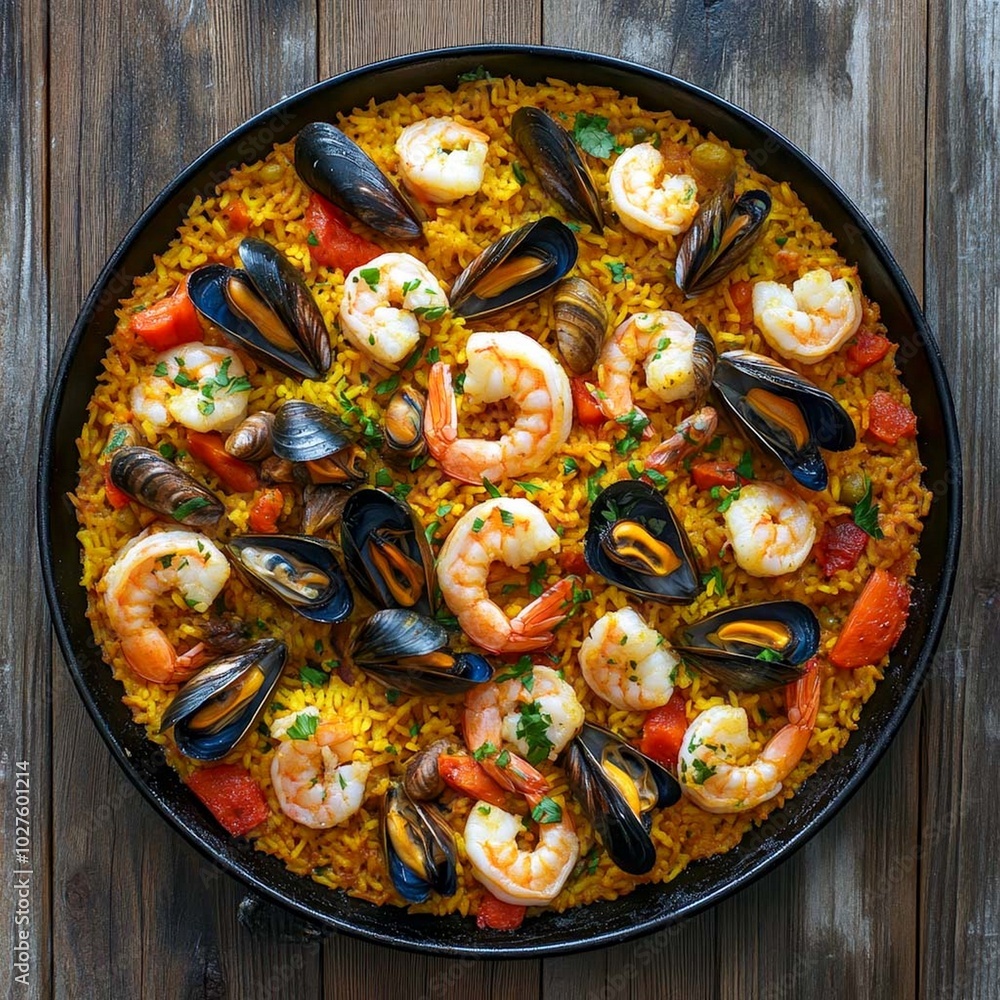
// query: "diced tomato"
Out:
[465,775]
[171,321]
[116,497]
[875,623]
[238,215]
[742,294]
[709,474]
[231,796]
[585,405]
[840,547]
[235,475]
[337,245]
[265,511]
[889,420]
[498,915]
[573,562]
[663,731]
[866,349]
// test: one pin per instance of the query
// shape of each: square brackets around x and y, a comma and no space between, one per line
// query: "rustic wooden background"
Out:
[101,103]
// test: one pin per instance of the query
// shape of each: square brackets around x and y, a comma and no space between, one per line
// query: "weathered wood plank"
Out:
[138,90]
[822,75]
[25,692]
[959,884]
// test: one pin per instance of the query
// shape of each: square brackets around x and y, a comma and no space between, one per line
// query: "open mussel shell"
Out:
[341,171]
[519,266]
[784,413]
[217,707]
[419,846]
[251,440]
[386,552]
[304,432]
[155,482]
[299,570]
[553,156]
[581,322]
[403,425]
[618,787]
[721,237]
[406,651]
[279,284]
[752,647]
[211,291]
[635,541]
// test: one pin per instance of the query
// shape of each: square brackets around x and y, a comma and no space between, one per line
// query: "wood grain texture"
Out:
[959,845]
[25,645]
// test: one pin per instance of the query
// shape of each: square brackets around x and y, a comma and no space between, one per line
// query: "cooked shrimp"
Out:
[719,735]
[771,530]
[504,365]
[148,567]
[381,303]
[316,782]
[648,200]
[200,387]
[664,342]
[627,663]
[514,532]
[493,714]
[515,875]
[689,437]
[810,320]
[441,159]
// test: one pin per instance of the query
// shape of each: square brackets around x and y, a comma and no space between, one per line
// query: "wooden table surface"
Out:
[103,103]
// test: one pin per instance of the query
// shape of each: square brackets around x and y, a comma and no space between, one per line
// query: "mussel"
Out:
[217,707]
[419,846]
[266,308]
[155,482]
[752,647]
[720,238]
[519,266]
[635,541]
[403,425]
[341,171]
[386,552]
[301,571]
[304,432]
[558,164]
[407,651]
[251,439]
[783,412]
[618,787]
[581,322]
[323,505]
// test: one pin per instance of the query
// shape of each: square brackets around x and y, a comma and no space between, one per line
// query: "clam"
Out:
[323,505]
[146,476]
[519,266]
[419,846]
[720,238]
[301,571]
[251,439]
[266,308]
[304,432]
[581,322]
[422,780]
[385,551]
[635,541]
[618,787]
[784,413]
[407,651]
[557,163]
[752,647]
[341,171]
[403,425]
[217,707]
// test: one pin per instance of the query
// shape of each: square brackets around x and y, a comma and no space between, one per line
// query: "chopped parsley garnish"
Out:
[518,173]
[575,226]
[187,508]
[477,525]
[658,479]
[402,490]
[459,384]
[570,466]
[408,286]
[781,240]
[840,381]
[714,579]
[391,384]
[415,729]
[417,461]
[483,810]
[444,510]
[726,499]
[507,518]
[491,489]
[592,135]
[866,513]
[117,440]
[594,485]
[310,675]
[536,578]
[618,271]
[431,530]
[532,727]
[521,671]
[160,370]
[702,771]
[304,726]
[430,313]
[184,381]
[391,696]
[503,758]
[769,656]
[370,275]
[547,811]
[479,73]
[486,750]
[165,561]
[312,239]
[530,488]
[745,467]
[383,478]
[433,355]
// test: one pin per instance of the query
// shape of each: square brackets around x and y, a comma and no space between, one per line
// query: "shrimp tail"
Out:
[517,775]
[802,697]
[441,418]
[534,622]
[689,437]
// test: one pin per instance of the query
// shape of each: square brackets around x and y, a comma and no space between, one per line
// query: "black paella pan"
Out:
[650,906]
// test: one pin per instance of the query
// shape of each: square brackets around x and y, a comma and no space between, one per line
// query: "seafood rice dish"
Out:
[498,497]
